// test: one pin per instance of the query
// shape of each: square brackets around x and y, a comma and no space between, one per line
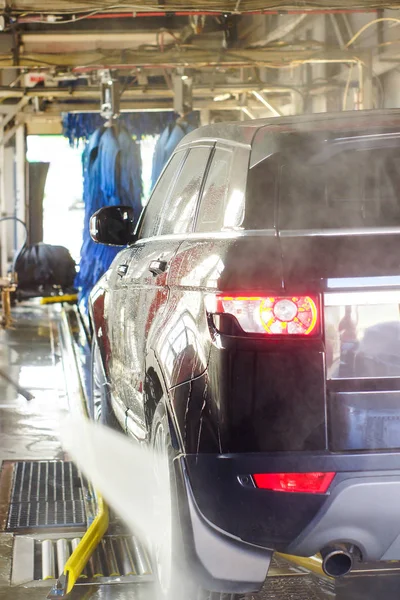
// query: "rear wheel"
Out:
[99,408]
[169,561]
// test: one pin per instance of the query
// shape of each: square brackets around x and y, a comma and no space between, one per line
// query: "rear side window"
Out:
[223,201]
[178,212]
[261,193]
[213,203]
[153,211]
[341,189]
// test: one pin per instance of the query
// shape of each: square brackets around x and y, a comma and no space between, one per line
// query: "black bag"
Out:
[45,266]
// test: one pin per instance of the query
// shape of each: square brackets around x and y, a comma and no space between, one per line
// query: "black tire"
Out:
[179,585]
[99,408]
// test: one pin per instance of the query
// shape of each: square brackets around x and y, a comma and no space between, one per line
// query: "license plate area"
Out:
[362,334]
[362,341]
[364,421]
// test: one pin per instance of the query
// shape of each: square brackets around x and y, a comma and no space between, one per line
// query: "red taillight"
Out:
[306,483]
[272,315]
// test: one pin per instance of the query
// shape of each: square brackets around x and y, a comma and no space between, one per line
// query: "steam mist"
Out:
[133,479]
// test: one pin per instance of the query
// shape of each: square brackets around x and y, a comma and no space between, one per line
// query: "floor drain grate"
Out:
[46,494]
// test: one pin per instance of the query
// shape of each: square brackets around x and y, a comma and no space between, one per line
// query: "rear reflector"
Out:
[306,483]
[271,315]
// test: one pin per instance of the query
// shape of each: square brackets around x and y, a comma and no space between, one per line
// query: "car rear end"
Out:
[347,237]
[309,413]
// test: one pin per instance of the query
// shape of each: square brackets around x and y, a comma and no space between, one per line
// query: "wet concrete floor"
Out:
[30,354]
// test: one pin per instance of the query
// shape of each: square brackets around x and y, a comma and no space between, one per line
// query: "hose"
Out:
[25,393]
[12,218]
[20,390]
[374,22]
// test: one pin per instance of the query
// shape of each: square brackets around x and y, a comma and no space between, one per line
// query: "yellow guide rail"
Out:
[77,561]
[57,299]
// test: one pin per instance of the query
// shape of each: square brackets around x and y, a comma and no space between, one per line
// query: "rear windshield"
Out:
[341,184]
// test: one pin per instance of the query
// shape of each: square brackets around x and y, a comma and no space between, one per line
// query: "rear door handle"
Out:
[158,266]
[122,270]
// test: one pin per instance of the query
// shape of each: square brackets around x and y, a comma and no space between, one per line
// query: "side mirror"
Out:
[113,226]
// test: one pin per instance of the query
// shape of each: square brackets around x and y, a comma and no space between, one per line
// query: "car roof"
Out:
[244,132]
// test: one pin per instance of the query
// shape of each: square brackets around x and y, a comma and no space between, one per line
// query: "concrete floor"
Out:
[30,354]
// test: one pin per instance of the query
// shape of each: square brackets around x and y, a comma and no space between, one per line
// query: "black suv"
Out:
[252,329]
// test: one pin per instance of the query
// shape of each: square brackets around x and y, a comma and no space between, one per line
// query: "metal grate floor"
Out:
[46,494]
[295,588]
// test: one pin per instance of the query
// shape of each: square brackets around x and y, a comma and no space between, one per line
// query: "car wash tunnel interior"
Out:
[200,299]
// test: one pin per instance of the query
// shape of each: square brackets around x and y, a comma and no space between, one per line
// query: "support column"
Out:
[297,103]
[20,182]
[9,187]
[318,70]
[205,116]
[3,208]
[366,100]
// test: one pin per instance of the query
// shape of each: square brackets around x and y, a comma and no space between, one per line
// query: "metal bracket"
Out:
[110,96]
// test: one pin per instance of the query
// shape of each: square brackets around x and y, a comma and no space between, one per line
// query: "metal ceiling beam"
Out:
[156,106]
[275,111]
[140,92]
[13,112]
[248,112]
[337,31]
[54,43]
[49,37]
[191,57]
[57,108]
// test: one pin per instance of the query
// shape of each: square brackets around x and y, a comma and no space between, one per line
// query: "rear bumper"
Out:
[361,507]
[361,510]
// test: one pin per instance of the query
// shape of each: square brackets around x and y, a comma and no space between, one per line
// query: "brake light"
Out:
[306,483]
[273,315]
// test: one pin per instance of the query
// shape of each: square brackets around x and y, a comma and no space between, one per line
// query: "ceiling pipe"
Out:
[194,13]
[186,13]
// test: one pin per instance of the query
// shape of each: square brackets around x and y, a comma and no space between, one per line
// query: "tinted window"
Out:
[178,212]
[336,189]
[261,194]
[154,209]
[214,200]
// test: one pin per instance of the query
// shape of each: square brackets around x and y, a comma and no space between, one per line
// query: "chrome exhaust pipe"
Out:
[337,561]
